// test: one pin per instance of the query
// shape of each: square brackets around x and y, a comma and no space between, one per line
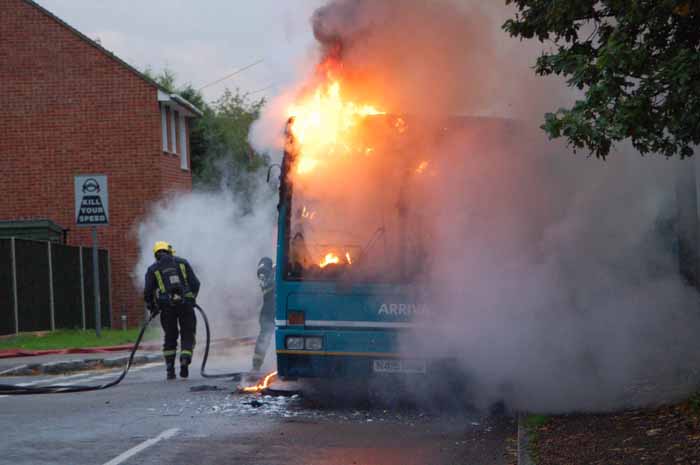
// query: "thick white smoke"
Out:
[223,242]
[558,278]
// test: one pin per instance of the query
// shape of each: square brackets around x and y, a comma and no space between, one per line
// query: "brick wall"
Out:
[68,108]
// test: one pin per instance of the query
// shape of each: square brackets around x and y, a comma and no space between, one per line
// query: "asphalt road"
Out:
[146,420]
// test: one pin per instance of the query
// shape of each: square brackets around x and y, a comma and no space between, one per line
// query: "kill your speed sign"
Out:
[92,209]
[91,200]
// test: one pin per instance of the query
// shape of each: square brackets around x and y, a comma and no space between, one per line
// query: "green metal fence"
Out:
[45,286]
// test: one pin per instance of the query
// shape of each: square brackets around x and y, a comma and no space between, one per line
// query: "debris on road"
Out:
[205,387]
[295,407]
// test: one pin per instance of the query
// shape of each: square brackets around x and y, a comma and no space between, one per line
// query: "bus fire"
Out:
[355,229]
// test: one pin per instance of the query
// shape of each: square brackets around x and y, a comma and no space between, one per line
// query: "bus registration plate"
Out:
[399,366]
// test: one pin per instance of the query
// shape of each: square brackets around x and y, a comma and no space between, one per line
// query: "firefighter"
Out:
[170,289]
[266,276]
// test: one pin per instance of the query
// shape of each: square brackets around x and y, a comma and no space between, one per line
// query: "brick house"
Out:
[68,106]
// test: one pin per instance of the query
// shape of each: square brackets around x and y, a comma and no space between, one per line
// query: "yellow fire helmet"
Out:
[162,245]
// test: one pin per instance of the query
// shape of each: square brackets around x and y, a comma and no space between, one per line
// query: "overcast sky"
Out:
[201,41]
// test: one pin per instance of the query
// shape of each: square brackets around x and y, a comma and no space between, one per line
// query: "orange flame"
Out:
[322,123]
[333,259]
[329,259]
[400,125]
[423,165]
[308,214]
[262,385]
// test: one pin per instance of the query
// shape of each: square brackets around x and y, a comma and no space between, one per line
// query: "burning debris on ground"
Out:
[317,409]
[331,401]
[261,386]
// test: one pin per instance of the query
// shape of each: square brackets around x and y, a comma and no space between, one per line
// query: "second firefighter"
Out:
[266,276]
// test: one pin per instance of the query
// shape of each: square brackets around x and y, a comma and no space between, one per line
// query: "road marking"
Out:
[12,369]
[59,379]
[148,365]
[96,378]
[113,374]
[79,375]
[87,376]
[144,445]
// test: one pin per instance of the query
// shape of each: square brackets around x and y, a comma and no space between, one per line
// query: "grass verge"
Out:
[75,339]
[694,403]
[532,425]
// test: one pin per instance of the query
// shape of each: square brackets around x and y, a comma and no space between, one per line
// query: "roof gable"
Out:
[106,52]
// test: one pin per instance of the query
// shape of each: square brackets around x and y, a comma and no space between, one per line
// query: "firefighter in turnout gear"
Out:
[266,275]
[170,289]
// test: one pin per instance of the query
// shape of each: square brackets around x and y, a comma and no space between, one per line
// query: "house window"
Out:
[164,126]
[173,131]
[183,142]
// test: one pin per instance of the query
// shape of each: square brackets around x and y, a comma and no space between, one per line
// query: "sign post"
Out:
[92,209]
[96,281]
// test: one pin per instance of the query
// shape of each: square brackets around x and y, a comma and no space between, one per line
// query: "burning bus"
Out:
[355,233]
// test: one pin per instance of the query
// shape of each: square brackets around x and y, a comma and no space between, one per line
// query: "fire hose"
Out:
[235,376]
[11,389]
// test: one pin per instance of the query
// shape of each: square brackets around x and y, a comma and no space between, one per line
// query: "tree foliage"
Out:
[229,157]
[637,62]
[219,149]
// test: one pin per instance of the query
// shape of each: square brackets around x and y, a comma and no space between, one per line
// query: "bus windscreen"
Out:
[363,212]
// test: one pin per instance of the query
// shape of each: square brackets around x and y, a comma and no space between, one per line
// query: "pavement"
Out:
[74,362]
[148,420]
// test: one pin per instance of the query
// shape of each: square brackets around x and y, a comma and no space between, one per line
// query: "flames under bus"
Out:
[355,243]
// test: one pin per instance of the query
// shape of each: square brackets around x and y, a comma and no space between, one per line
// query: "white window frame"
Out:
[173,133]
[164,126]
[183,143]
